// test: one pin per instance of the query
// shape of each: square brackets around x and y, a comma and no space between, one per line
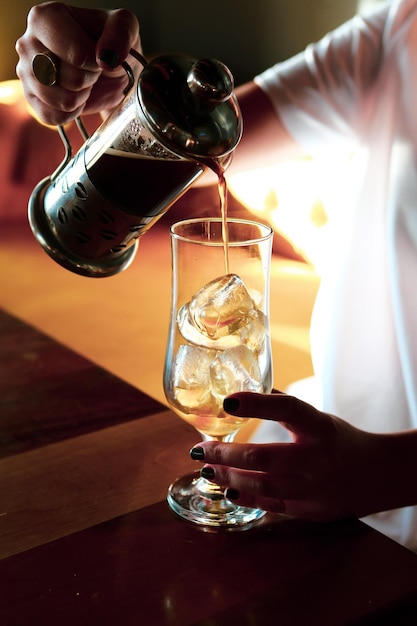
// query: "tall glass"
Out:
[218,344]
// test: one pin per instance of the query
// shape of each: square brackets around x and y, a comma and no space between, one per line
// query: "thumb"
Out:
[120,34]
[115,32]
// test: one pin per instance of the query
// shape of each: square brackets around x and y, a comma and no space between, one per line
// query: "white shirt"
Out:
[356,92]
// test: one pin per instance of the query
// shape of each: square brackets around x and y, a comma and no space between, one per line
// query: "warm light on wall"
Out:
[11,92]
[291,197]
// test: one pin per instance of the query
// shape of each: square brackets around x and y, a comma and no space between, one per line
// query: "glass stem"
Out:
[221,438]
[211,492]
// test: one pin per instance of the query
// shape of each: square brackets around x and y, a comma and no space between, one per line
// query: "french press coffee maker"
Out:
[180,117]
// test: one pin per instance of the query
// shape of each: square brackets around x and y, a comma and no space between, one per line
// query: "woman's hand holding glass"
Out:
[330,470]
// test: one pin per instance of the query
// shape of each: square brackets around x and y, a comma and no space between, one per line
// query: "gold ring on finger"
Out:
[45,68]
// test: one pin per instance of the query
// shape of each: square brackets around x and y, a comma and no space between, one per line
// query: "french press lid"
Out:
[190,105]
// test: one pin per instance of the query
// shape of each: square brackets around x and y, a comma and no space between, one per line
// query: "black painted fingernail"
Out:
[197,454]
[232,494]
[110,58]
[231,405]
[208,473]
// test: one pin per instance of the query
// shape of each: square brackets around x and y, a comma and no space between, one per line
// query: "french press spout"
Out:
[181,117]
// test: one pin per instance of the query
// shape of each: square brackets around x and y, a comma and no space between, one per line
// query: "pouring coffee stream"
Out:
[181,118]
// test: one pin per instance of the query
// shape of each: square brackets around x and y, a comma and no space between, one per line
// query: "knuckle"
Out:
[19,72]
[259,457]
[126,18]
[78,58]
[255,485]
[38,11]
[54,117]
[252,457]
[34,13]
[215,454]
[20,46]
[227,476]
[80,81]
[69,102]
[123,14]
[293,405]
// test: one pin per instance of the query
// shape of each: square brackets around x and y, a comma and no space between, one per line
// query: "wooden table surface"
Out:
[86,536]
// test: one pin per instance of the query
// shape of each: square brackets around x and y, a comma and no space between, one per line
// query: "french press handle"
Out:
[80,123]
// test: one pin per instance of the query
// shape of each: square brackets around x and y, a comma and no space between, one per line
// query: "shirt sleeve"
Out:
[324,94]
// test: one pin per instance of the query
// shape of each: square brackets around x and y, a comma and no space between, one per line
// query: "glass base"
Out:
[201,502]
